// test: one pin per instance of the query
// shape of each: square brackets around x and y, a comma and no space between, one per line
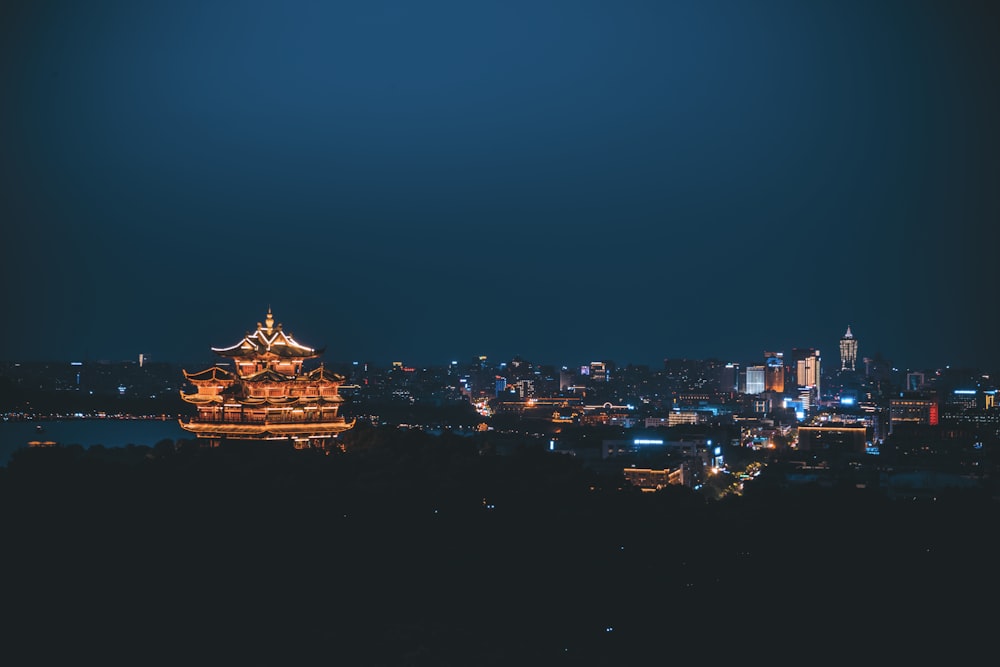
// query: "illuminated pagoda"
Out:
[266,395]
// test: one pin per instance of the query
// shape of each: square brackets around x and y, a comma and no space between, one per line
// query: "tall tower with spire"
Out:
[848,350]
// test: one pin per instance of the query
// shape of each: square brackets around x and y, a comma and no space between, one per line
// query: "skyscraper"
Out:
[848,350]
[774,375]
[807,367]
[755,379]
[729,377]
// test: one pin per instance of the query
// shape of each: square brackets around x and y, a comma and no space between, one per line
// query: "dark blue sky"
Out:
[564,181]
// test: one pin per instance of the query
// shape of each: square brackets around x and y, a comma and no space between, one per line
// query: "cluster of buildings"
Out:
[671,424]
[268,386]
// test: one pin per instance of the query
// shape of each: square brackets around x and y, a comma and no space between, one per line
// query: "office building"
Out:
[807,368]
[774,372]
[729,376]
[755,379]
[848,351]
[913,408]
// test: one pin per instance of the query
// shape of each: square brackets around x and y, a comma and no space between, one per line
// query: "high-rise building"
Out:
[267,395]
[915,381]
[913,407]
[808,398]
[600,371]
[774,372]
[525,388]
[729,376]
[755,379]
[567,379]
[848,350]
[807,367]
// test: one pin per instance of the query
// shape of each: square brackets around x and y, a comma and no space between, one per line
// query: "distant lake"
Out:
[88,432]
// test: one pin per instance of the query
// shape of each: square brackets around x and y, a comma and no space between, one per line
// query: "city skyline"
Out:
[831,359]
[561,181]
[829,363]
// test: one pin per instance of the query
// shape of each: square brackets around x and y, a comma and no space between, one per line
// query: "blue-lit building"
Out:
[848,398]
[966,399]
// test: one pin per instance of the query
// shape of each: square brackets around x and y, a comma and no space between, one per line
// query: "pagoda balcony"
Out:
[244,419]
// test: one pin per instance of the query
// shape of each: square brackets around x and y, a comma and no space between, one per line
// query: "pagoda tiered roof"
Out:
[202,399]
[213,374]
[300,401]
[268,375]
[268,341]
[258,401]
[323,373]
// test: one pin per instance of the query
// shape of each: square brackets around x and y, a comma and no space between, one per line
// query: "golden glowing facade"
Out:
[774,372]
[266,395]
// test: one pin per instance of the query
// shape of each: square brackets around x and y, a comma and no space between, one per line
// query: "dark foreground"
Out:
[426,552]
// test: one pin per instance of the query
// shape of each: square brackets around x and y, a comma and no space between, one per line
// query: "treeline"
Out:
[413,549]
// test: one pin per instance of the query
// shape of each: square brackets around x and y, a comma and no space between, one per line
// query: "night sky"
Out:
[564,181]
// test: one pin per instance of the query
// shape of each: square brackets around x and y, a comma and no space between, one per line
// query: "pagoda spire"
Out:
[269,321]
